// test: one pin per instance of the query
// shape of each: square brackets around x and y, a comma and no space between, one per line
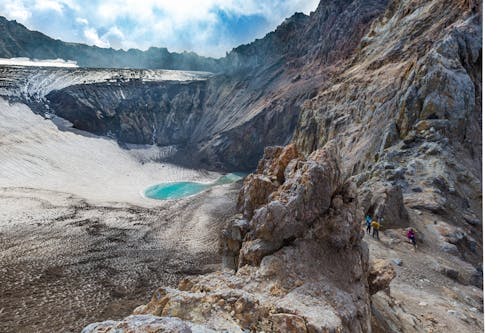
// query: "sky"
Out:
[207,27]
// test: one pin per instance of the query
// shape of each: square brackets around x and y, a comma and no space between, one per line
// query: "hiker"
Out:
[411,237]
[376,226]
[368,222]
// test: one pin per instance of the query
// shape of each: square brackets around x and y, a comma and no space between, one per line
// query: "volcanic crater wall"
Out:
[254,102]
[133,112]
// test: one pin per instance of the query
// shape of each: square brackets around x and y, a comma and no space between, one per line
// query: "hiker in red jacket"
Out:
[410,234]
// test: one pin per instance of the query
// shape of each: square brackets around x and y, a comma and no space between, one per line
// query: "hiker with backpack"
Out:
[411,237]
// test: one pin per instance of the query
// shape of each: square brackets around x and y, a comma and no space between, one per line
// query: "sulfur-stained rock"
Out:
[279,164]
[284,322]
[380,276]
[254,193]
[146,324]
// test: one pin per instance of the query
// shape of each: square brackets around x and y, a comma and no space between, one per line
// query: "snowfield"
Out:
[35,153]
[78,241]
[38,63]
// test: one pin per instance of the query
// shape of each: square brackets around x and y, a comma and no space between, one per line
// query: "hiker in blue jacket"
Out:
[368,222]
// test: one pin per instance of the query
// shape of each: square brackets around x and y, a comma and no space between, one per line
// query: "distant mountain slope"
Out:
[18,41]
[253,102]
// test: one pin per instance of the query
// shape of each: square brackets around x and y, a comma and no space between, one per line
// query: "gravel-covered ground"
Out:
[65,263]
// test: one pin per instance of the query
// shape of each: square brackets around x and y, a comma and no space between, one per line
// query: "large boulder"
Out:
[380,275]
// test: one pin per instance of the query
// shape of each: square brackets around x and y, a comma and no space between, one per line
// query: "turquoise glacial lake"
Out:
[177,190]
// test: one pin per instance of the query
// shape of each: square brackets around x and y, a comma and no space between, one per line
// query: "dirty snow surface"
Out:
[34,83]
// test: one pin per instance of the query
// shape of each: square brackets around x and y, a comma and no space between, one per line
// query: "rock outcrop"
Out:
[147,324]
[406,114]
[297,262]
[380,275]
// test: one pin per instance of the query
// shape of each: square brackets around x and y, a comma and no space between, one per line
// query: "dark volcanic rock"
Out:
[166,113]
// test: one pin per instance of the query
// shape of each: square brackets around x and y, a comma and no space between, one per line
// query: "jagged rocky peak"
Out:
[327,36]
[295,256]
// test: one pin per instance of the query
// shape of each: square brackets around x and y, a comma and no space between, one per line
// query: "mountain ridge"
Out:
[18,41]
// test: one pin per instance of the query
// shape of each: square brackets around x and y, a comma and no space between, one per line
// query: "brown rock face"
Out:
[304,195]
[380,276]
[301,264]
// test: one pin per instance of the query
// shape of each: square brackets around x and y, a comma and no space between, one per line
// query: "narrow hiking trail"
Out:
[422,297]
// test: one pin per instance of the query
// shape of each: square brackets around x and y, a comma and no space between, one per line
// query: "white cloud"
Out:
[114,37]
[71,4]
[49,5]
[196,22]
[93,38]
[82,21]
[189,11]
[15,10]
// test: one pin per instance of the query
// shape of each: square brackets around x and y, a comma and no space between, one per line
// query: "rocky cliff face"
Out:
[131,113]
[327,37]
[297,249]
[407,115]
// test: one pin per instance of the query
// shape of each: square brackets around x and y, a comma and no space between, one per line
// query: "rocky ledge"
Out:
[294,258]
